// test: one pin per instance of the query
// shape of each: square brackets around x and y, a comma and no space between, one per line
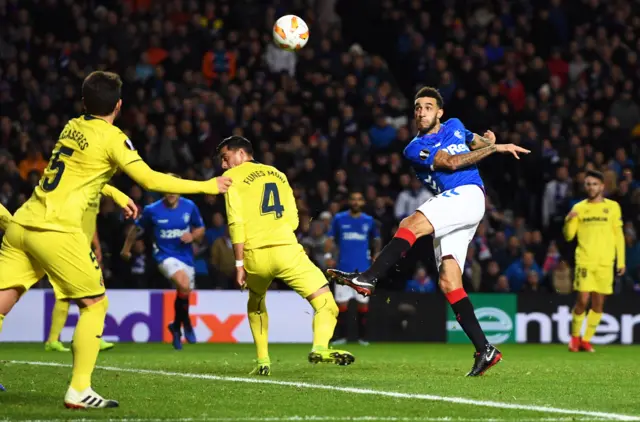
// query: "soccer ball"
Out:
[290,33]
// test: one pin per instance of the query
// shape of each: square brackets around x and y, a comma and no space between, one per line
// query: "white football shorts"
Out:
[343,294]
[170,266]
[454,215]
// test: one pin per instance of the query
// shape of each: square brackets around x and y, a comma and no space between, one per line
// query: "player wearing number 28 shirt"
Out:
[262,218]
[444,156]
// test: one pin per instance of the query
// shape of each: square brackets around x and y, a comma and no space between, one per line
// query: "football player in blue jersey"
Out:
[175,223]
[444,157]
[355,235]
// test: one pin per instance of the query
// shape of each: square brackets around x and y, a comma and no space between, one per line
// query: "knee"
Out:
[581,305]
[256,303]
[418,224]
[325,303]
[183,285]
[332,306]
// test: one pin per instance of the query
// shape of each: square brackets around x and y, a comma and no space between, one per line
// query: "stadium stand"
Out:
[559,78]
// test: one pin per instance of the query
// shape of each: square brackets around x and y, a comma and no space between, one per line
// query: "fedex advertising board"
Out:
[143,315]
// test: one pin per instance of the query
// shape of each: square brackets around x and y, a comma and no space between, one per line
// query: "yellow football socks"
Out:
[86,343]
[58,318]
[593,320]
[576,323]
[259,323]
[324,320]
[1,321]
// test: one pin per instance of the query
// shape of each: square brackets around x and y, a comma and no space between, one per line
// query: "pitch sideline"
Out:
[364,391]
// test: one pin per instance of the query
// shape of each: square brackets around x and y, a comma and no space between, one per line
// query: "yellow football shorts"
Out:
[287,262]
[598,279]
[27,254]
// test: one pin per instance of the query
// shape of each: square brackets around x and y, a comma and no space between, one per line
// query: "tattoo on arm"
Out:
[480,142]
[443,160]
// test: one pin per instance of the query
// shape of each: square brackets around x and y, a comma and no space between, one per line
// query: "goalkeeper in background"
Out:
[598,224]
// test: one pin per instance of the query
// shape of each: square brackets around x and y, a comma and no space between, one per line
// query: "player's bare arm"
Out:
[196,235]
[377,247]
[125,253]
[489,138]
[444,160]
[241,274]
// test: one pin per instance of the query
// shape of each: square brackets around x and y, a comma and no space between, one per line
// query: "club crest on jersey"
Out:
[129,144]
[424,154]
[606,210]
[365,227]
[458,134]
[185,217]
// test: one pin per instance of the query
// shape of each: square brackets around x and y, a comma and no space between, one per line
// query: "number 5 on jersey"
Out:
[57,165]
[271,200]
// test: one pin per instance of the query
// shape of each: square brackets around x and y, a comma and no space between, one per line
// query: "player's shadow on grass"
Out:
[9,398]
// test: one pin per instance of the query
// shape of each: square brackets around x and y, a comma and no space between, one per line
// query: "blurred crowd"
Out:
[558,77]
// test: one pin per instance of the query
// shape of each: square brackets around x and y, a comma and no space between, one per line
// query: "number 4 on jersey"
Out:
[268,207]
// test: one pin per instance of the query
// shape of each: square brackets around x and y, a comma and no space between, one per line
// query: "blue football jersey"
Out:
[168,225]
[452,138]
[352,235]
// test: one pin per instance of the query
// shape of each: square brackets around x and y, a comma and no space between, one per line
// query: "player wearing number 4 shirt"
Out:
[444,156]
[262,218]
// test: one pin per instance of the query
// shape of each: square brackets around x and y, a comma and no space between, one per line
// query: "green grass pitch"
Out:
[392,382]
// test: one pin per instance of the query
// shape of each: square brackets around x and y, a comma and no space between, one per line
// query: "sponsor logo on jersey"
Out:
[172,233]
[457,149]
[354,236]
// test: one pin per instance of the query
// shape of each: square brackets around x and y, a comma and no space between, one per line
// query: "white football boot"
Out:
[87,399]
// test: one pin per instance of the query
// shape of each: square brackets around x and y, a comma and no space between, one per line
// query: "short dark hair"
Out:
[594,173]
[430,92]
[101,92]
[354,191]
[235,142]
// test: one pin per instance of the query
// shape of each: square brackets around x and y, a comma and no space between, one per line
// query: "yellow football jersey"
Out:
[5,217]
[89,218]
[261,208]
[87,154]
[599,229]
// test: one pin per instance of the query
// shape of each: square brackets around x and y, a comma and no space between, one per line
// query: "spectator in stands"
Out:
[421,282]
[518,271]
[222,261]
[337,114]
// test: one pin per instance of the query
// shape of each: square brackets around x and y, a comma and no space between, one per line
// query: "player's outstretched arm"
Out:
[159,182]
[489,138]
[444,160]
